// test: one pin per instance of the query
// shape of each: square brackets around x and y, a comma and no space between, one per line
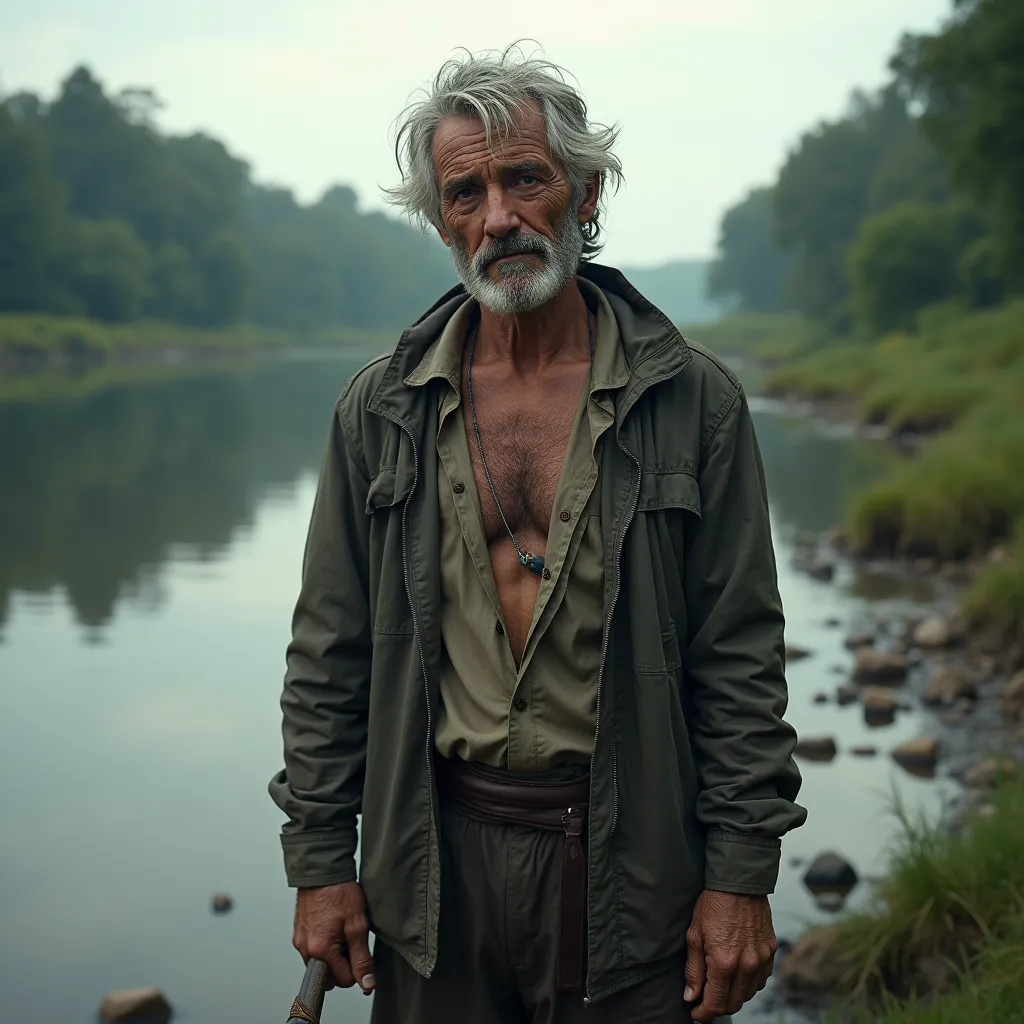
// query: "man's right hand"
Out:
[331,925]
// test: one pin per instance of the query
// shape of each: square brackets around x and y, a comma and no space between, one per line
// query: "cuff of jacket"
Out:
[319,858]
[747,865]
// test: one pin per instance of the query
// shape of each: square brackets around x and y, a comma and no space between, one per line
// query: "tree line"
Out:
[914,196]
[103,215]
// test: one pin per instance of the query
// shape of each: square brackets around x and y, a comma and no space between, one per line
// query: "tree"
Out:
[106,268]
[750,266]
[978,276]
[177,293]
[911,170]
[907,258]
[224,268]
[822,196]
[970,78]
[31,214]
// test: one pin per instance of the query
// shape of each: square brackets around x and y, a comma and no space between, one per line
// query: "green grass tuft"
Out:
[949,898]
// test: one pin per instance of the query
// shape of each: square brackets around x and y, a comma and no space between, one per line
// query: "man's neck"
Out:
[528,342]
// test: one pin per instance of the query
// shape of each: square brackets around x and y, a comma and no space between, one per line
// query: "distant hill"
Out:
[677,289]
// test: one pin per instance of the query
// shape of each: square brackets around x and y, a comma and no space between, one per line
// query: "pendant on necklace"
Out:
[535,563]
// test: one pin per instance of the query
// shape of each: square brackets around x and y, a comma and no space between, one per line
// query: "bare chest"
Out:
[525,435]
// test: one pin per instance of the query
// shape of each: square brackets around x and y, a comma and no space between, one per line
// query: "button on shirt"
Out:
[543,713]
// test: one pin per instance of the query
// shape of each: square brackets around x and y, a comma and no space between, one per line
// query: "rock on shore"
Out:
[918,757]
[138,1005]
[816,748]
[933,633]
[949,686]
[874,666]
[811,969]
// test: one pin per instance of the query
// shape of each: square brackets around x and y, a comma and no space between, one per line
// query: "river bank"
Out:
[949,514]
[35,343]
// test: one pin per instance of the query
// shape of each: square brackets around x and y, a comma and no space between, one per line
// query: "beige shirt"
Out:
[542,714]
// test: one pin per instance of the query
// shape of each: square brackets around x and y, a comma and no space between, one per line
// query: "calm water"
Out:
[150,545]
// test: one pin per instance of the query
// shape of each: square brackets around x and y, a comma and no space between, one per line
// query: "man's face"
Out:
[508,216]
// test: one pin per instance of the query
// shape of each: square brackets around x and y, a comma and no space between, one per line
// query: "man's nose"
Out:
[501,217]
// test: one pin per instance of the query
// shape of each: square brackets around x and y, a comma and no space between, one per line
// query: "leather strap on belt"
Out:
[556,806]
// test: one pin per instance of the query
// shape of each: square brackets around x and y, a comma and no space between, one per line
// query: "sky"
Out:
[710,95]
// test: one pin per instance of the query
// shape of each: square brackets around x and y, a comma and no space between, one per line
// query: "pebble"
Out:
[918,756]
[137,1005]
[221,903]
[948,686]
[816,748]
[933,633]
[873,666]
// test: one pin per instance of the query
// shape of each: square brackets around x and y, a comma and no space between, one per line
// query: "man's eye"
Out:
[463,193]
[528,179]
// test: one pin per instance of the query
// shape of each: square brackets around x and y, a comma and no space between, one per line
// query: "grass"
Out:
[39,340]
[957,381]
[995,601]
[949,897]
[767,338]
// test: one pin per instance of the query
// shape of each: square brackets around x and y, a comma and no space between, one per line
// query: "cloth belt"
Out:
[536,803]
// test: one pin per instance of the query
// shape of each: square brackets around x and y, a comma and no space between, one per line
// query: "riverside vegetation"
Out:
[881,278]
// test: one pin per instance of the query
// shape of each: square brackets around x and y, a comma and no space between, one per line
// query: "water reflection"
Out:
[98,489]
[171,514]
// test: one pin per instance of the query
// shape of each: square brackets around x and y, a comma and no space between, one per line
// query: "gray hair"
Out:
[493,87]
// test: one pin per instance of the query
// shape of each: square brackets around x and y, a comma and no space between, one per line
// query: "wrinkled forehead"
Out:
[461,147]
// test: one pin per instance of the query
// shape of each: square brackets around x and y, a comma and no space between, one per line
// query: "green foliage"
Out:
[101,214]
[224,266]
[871,208]
[907,258]
[822,196]
[106,266]
[978,278]
[767,338]
[970,77]
[31,209]
[957,896]
[995,601]
[750,267]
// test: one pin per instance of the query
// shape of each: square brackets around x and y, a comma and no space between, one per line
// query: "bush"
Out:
[905,259]
[948,895]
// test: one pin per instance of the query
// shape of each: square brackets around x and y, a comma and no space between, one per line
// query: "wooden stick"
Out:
[310,1000]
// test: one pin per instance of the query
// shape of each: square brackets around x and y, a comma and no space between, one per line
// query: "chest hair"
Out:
[525,448]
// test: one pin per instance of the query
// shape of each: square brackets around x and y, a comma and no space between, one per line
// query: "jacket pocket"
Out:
[383,491]
[667,490]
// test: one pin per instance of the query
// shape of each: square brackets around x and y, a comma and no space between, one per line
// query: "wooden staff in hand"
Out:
[310,1000]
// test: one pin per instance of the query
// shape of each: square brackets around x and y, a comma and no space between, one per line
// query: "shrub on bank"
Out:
[995,601]
[958,497]
[949,914]
[765,337]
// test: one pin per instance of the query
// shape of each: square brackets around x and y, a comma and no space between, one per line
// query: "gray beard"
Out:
[521,286]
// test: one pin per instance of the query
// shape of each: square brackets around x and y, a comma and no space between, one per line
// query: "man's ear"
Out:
[445,237]
[590,199]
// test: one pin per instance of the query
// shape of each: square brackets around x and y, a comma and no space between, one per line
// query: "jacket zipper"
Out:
[617,567]
[415,624]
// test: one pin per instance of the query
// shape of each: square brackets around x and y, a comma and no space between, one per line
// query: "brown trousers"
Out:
[498,942]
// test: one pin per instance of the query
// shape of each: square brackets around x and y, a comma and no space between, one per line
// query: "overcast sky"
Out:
[710,94]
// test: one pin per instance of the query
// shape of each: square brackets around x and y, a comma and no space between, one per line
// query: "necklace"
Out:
[535,563]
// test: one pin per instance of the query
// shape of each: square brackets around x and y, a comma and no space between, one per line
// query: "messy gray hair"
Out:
[493,87]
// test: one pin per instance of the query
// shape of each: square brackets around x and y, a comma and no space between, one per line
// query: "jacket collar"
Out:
[653,348]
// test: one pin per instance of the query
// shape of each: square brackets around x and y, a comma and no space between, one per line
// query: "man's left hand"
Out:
[730,949]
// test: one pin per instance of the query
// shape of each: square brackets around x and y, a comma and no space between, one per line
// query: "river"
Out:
[151,536]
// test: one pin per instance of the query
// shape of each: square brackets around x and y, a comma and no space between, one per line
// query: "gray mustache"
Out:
[501,248]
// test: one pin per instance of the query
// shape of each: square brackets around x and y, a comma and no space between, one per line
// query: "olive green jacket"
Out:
[692,781]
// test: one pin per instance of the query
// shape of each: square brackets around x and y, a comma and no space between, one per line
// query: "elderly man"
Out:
[539,642]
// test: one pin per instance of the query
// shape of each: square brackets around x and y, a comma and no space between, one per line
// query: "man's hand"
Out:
[331,925]
[730,949]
